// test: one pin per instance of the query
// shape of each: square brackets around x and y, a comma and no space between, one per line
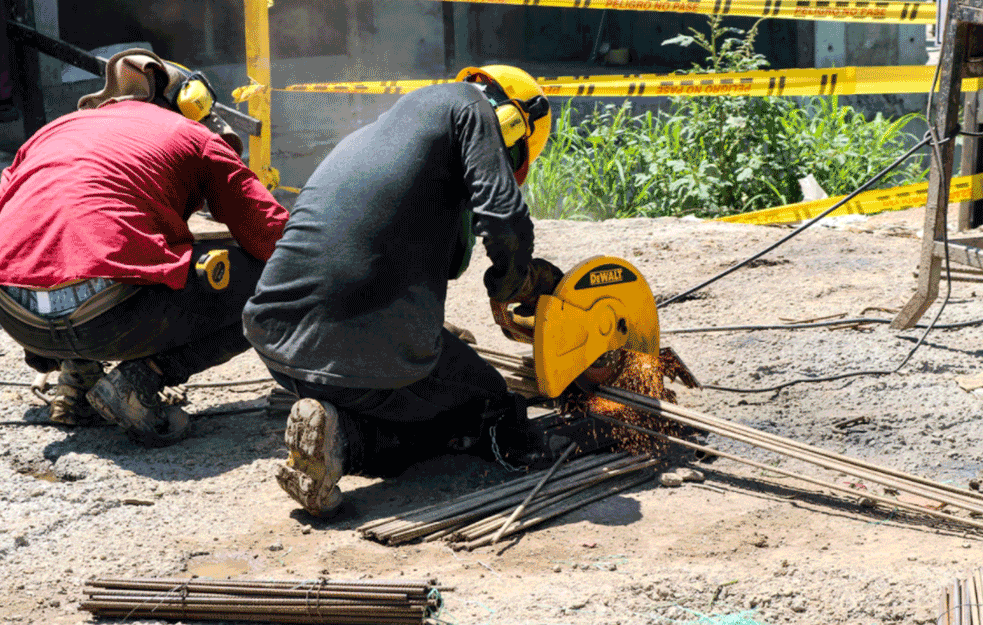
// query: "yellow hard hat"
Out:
[522,109]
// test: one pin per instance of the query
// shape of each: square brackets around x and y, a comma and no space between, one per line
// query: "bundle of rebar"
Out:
[480,518]
[946,498]
[336,602]
[961,602]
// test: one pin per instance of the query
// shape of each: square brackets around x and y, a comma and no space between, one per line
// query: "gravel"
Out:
[744,546]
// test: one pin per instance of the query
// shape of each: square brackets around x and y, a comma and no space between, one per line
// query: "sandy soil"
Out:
[746,546]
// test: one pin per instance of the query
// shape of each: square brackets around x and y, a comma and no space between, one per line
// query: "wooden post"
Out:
[962,18]
[971,162]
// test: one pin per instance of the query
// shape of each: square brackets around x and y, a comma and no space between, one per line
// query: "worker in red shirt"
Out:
[97,262]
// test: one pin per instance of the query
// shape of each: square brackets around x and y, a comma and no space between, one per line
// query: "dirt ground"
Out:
[747,546]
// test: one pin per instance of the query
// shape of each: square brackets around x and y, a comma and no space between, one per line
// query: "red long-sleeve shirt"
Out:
[107,193]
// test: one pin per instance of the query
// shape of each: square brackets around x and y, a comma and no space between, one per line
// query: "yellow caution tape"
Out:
[788,82]
[241,94]
[269,176]
[826,10]
[791,82]
[366,88]
[961,189]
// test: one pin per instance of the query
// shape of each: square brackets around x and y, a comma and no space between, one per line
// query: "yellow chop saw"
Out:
[600,326]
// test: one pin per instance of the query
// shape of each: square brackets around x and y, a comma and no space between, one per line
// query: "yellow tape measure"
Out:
[214,269]
[961,189]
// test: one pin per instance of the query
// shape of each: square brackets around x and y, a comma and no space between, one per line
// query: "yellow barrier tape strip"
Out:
[824,10]
[961,189]
[790,82]
[378,87]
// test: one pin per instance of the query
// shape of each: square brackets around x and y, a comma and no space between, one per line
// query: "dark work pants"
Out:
[186,331]
[388,429]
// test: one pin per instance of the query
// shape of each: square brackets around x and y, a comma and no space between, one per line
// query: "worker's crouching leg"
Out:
[129,396]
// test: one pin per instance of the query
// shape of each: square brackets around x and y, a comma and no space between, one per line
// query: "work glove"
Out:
[541,279]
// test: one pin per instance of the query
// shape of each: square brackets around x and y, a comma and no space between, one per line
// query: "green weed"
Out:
[712,156]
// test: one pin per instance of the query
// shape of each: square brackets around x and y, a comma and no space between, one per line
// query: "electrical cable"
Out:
[935,142]
[188,385]
[927,139]
[815,324]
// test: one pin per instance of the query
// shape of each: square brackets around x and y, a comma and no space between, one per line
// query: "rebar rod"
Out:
[764,467]
[828,460]
[463,501]
[419,585]
[510,497]
[513,497]
[439,512]
[563,508]
[490,524]
[534,491]
[686,412]
[283,618]
[322,601]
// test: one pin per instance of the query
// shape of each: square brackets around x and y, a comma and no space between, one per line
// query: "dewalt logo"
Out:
[607,276]
[603,275]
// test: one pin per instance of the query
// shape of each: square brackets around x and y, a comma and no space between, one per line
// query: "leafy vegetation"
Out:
[712,156]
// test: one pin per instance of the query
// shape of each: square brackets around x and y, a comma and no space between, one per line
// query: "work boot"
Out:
[129,397]
[69,405]
[317,447]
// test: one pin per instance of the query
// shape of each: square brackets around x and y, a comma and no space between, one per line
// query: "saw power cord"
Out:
[931,136]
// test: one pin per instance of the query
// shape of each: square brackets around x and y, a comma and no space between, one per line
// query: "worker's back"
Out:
[354,293]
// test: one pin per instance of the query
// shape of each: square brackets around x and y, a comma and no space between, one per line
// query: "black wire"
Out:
[816,324]
[798,230]
[935,142]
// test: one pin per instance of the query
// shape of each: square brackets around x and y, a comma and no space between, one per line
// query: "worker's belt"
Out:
[76,303]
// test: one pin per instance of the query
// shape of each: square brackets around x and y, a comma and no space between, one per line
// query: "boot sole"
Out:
[305,476]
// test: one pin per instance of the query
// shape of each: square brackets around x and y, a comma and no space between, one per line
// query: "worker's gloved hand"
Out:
[541,279]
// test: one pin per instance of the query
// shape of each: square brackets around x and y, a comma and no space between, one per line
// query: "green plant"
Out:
[712,156]
[843,149]
[551,188]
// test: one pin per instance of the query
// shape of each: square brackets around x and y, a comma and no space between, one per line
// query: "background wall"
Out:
[336,40]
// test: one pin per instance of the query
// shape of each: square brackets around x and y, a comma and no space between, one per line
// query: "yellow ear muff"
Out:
[512,122]
[194,100]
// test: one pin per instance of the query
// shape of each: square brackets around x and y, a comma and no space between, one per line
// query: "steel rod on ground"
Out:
[322,601]
[912,484]
[774,469]
[534,492]
[456,523]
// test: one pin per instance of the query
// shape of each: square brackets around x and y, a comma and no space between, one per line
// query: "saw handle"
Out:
[508,322]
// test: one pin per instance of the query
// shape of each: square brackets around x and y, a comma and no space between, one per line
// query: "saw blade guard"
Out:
[602,304]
